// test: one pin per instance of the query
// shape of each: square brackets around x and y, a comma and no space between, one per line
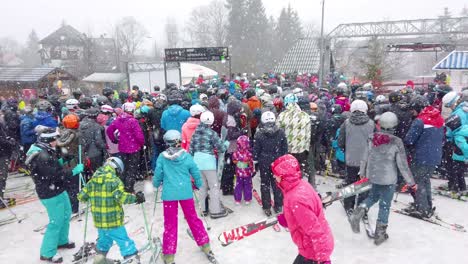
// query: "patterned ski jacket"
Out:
[105,192]
[296,125]
[243,158]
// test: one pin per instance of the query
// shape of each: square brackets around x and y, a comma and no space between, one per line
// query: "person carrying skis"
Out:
[245,170]
[303,213]
[383,156]
[42,159]
[174,170]
[204,143]
[264,153]
[425,137]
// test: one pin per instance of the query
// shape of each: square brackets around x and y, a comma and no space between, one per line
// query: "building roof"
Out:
[304,56]
[65,35]
[456,60]
[27,74]
[105,77]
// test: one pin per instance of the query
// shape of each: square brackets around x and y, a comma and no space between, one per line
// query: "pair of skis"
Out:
[255,194]
[451,195]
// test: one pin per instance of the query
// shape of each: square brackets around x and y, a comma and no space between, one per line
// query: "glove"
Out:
[194,187]
[414,187]
[140,197]
[226,144]
[78,169]
[61,162]
[282,220]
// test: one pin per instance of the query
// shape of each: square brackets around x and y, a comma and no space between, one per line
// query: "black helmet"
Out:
[394,97]
[102,100]
[44,105]
[418,103]
[48,135]
[85,103]
[92,112]
[249,93]
[453,122]
[77,94]
[107,92]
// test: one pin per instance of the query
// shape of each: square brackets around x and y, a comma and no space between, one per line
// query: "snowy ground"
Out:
[411,240]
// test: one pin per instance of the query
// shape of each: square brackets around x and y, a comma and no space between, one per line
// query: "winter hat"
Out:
[288,169]
[359,105]
[450,99]
[128,107]
[196,110]
[388,121]
[207,118]
[28,109]
[268,117]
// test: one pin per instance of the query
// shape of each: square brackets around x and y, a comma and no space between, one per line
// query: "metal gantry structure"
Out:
[419,27]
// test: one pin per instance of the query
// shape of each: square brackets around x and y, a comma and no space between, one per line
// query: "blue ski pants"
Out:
[106,238]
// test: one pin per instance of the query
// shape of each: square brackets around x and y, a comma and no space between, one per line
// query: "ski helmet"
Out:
[196,110]
[72,104]
[107,109]
[290,99]
[102,100]
[394,97]
[77,94]
[172,138]
[359,105]
[380,99]
[268,117]
[71,121]
[450,99]
[388,120]
[107,92]
[298,91]
[418,103]
[453,122]
[86,103]
[128,107]
[28,109]
[207,118]
[92,112]
[44,105]
[48,135]
[203,97]
[115,163]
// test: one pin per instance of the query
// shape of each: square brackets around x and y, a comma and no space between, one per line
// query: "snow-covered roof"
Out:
[304,56]
[105,77]
[456,60]
[8,74]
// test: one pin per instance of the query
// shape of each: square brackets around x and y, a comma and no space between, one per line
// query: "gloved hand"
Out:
[78,169]
[61,162]
[194,187]
[414,187]
[282,220]
[140,197]
[226,144]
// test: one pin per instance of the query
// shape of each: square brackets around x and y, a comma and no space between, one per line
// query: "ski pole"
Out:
[154,209]
[201,211]
[146,225]
[9,209]
[396,197]
[85,229]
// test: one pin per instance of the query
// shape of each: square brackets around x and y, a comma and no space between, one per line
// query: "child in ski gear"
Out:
[426,136]
[242,158]
[50,188]
[303,213]
[204,143]
[174,170]
[383,157]
[270,143]
[459,135]
[106,195]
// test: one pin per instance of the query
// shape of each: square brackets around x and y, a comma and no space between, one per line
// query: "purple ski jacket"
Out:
[131,137]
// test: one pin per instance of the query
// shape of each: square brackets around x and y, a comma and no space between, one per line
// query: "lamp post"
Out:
[322,48]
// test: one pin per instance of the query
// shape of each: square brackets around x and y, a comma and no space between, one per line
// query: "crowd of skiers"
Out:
[286,133]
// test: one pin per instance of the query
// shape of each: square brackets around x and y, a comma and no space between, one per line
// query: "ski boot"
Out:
[100,258]
[68,245]
[55,259]
[278,209]
[380,234]
[168,259]
[134,258]
[355,218]
[221,214]
[267,212]
[209,254]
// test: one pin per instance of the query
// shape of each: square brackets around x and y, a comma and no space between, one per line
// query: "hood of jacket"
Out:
[27,117]
[175,154]
[192,123]
[380,138]
[66,137]
[358,118]
[287,167]
[243,143]
[102,119]
[431,116]
[213,102]
[269,128]
[174,110]
[103,174]
[87,123]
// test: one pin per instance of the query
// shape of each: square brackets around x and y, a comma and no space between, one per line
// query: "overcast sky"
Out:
[18,17]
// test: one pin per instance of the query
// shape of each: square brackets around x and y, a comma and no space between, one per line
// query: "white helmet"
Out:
[72,104]
[368,87]
[260,92]
[196,109]
[268,117]
[207,118]
[380,99]
[128,107]
[450,99]
[359,105]
[388,120]
[342,85]
[203,97]
[298,91]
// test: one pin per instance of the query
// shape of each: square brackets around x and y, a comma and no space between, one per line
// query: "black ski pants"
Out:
[267,180]
[227,179]
[456,176]
[301,260]
[131,162]
[352,176]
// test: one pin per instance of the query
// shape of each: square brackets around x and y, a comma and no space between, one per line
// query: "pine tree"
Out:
[258,39]
[30,54]
[289,29]
[235,31]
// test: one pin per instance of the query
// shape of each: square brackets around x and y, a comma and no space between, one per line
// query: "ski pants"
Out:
[106,238]
[267,181]
[302,158]
[301,260]
[210,186]
[382,194]
[243,186]
[422,177]
[59,213]
[352,176]
[131,162]
[73,188]
[311,156]
[227,180]
[457,176]
[171,210]
[4,164]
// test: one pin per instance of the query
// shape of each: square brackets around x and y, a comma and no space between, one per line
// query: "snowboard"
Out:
[230,236]
[351,190]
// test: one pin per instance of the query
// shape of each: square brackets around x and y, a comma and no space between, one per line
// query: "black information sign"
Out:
[197,54]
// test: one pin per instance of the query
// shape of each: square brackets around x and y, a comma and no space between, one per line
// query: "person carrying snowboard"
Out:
[174,169]
[106,194]
[383,156]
